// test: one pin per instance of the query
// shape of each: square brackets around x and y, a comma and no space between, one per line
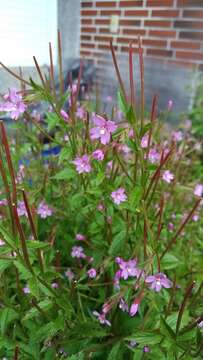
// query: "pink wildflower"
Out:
[98,155]
[167,176]
[123,305]
[2,243]
[69,274]
[44,210]
[134,308]
[26,290]
[80,237]
[64,115]
[78,252]
[21,209]
[153,156]
[119,196]
[170,227]
[13,104]
[55,285]
[103,130]
[144,141]
[102,318]
[198,190]
[170,105]
[82,164]
[157,281]
[81,113]
[92,273]
[177,136]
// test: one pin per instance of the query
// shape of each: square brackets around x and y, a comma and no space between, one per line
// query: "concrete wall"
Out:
[69,25]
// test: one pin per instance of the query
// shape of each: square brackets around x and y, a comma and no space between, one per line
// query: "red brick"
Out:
[88,13]
[160,3]
[130,22]
[134,32]
[103,38]
[149,42]
[189,55]
[193,13]
[110,12]
[88,29]
[188,24]
[131,3]
[86,21]
[87,45]
[136,13]
[105,47]
[85,53]
[185,45]
[106,4]
[160,52]
[86,4]
[157,23]
[165,13]
[126,49]
[125,40]
[191,35]
[104,31]
[85,37]
[192,3]
[162,33]
[102,21]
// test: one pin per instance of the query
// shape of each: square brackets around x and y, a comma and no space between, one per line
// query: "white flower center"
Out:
[158,282]
[102,131]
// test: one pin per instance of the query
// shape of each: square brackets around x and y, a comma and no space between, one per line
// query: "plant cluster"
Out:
[101,238]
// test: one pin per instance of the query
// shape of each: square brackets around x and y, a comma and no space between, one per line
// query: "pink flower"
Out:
[153,156]
[81,113]
[26,290]
[157,281]
[129,269]
[69,274]
[55,285]
[44,210]
[101,207]
[170,105]
[102,318]
[21,209]
[146,349]
[123,305]
[3,202]
[144,141]
[64,115]
[119,196]
[92,273]
[98,155]
[198,190]
[167,176]
[2,243]
[82,164]
[80,237]
[134,308]
[103,130]
[13,104]
[78,252]
[20,174]
[177,136]
[195,217]
[170,226]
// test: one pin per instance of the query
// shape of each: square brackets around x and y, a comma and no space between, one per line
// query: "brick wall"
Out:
[171,30]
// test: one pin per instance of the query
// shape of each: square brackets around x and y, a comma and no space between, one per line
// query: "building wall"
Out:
[172,37]
[170,29]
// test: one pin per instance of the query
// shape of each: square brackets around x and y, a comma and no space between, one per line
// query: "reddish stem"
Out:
[141,81]
[117,71]
[60,63]
[173,240]
[182,308]
[153,117]
[52,70]
[132,85]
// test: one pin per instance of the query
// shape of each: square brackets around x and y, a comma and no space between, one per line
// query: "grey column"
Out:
[69,25]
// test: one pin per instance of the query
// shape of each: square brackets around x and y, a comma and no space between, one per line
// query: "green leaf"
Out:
[115,352]
[7,237]
[45,305]
[144,337]
[123,106]
[118,243]
[65,174]
[166,329]
[130,115]
[52,120]
[34,287]
[34,244]
[25,273]
[7,316]
[4,264]
[169,261]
